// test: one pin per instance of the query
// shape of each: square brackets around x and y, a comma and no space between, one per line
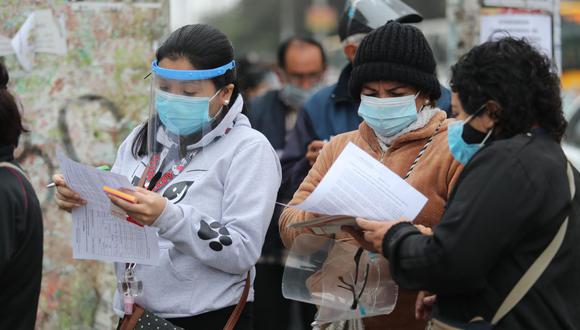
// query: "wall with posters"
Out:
[85,101]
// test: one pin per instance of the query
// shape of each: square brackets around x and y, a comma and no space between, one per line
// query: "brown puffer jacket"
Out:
[434,176]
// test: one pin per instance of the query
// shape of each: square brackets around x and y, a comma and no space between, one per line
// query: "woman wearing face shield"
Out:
[505,254]
[394,77]
[210,184]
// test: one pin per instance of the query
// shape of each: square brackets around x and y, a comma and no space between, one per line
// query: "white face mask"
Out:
[390,115]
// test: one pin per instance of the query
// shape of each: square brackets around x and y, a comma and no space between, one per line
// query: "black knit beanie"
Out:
[395,52]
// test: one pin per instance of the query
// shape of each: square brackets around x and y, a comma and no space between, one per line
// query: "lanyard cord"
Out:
[422,151]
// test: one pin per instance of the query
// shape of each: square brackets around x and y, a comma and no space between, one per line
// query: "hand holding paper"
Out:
[358,185]
[145,206]
[98,233]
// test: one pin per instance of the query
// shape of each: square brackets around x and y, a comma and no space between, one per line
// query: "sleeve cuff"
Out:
[395,234]
[170,216]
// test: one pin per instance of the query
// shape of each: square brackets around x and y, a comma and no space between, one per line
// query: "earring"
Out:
[226,102]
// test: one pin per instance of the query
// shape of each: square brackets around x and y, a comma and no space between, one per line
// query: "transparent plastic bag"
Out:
[345,281]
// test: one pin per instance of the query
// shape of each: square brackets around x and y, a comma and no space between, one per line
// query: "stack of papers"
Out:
[99,234]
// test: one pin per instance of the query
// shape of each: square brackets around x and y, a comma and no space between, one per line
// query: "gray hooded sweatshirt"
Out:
[213,226]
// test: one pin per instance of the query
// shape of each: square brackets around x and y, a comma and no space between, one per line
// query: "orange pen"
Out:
[122,195]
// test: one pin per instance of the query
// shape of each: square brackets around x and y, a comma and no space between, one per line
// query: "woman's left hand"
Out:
[146,210]
[370,233]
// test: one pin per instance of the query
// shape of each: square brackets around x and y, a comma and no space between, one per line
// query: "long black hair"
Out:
[10,119]
[206,48]
[519,78]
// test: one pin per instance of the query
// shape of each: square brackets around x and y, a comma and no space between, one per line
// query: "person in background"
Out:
[394,75]
[21,226]
[513,200]
[301,66]
[333,110]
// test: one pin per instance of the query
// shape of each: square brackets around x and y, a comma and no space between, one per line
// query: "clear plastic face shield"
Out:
[375,13]
[345,281]
[185,108]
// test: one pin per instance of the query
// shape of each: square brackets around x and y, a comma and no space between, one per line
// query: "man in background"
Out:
[301,67]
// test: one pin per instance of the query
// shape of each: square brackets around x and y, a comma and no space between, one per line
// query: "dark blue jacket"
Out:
[329,112]
[267,114]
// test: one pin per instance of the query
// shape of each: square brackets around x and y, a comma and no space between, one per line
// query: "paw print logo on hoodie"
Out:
[214,232]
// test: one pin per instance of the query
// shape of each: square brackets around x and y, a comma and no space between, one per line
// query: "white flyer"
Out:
[40,33]
[360,186]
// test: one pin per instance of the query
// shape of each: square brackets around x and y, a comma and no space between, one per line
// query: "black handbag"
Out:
[146,320]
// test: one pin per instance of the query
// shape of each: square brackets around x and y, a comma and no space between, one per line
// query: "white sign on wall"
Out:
[536,28]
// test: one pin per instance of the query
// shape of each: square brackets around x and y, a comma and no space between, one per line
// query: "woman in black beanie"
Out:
[394,76]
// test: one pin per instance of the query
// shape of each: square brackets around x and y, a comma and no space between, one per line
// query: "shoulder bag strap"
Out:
[14,167]
[235,316]
[538,267]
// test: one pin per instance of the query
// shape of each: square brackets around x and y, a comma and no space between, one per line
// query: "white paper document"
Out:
[97,233]
[360,186]
[39,33]
[88,181]
[49,36]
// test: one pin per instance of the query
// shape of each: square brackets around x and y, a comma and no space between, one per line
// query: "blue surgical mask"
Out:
[388,116]
[460,149]
[182,115]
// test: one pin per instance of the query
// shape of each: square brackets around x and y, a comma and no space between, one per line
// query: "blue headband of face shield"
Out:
[191,74]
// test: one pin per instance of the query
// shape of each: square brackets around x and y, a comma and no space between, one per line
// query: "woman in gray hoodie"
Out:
[210,179]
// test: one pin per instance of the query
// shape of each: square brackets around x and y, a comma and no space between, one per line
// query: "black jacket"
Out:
[508,204]
[20,248]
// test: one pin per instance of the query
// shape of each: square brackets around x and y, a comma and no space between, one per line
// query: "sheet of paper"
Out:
[88,182]
[360,186]
[97,235]
[23,43]
[39,33]
[5,46]
[49,38]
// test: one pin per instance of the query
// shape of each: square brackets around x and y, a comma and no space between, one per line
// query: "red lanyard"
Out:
[171,173]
